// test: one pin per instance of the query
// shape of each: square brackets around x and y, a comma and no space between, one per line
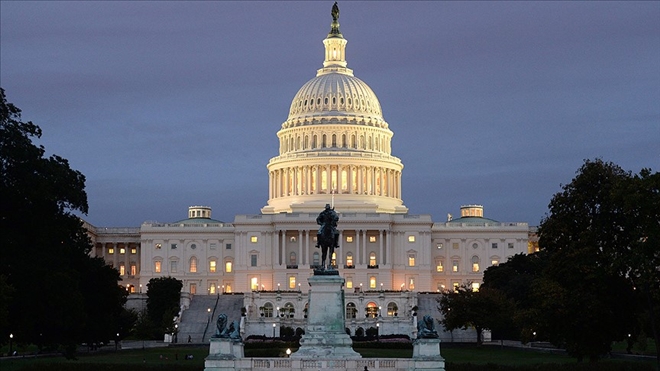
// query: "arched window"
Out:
[351,310]
[475,264]
[228,266]
[371,310]
[268,310]
[334,140]
[392,309]
[289,310]
[193,265]
[212,266]
[349,259]
[372,259]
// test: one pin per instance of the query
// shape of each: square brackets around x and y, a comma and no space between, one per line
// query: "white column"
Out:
[283,248]
[300,247]
[357,248]
[381,259]
[340,250]
[388,247]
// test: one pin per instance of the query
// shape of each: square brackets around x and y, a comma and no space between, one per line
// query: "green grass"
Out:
[457,357]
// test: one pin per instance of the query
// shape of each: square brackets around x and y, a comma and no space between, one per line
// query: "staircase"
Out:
[198,323]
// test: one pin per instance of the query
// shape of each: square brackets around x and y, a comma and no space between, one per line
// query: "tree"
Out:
[601,236]
[44,248]
[163,298]
[486,309]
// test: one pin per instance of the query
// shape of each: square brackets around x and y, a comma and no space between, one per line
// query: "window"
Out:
[454,245]
[475,246]
[193,265]
[228,265]
[411,284]
[193,246]
[372,310]
[351,310]
[157,267]
[133,250]
[454,266]
[475,286]
[293,239]
[411,260]
[316,259]
[455,285]
[254,283]
[133,269]
[392,309]
[411,238]
[213,246]
[122,269]
[289,309]
[212,288]
[510,245]
[494,245]
[333,259]
[349,259]
[439,267]
[173,246]
[268,310]
[349,282]
[292,282]
[372,238]
[495,262]
[439,246]
[292,258]
[475,264]
[372,259]
[212,266]
[372,282]
[173,266]
[111,251]
[349,238]
[253,260]
[122,251]
[254,239]
[193,288]
[228,246]
[159,246]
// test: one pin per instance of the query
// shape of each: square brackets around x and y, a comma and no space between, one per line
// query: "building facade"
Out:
[335,148]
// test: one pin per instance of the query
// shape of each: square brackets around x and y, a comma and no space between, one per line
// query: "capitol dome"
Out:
[335,146]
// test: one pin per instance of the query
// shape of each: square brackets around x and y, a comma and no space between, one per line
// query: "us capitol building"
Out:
[334,148]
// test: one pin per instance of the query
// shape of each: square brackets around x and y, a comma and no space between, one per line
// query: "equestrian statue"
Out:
[327,237]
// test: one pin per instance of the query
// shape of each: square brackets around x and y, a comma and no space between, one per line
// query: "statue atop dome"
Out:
[334,27]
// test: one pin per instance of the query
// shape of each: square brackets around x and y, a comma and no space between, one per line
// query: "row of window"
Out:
[456,263]
[173,246]
[494,245]
[122,250]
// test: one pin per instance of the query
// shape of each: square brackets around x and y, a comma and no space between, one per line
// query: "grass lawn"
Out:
[457,357]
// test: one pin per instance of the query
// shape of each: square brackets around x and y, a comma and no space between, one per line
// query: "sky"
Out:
[165,105]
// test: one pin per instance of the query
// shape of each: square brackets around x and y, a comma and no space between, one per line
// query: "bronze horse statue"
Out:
[327,237]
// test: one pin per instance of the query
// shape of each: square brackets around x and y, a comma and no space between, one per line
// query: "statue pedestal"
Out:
[426,355]
[223,354]
[325,335]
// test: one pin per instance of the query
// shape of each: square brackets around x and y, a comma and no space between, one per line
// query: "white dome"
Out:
[336,94]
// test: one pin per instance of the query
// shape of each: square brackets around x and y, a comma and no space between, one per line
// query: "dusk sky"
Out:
[164,105]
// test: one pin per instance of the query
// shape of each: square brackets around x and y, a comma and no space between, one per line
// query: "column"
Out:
[381,258]
[388,247]
[300,247]
[357,247]
[283,248]
[340,251]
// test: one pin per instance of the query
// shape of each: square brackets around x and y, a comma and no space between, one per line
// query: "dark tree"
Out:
[601,235]
[44,248]
[163,298]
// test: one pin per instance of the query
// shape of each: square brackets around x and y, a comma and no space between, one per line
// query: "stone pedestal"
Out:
[426,355]
[325,335]
[223,353]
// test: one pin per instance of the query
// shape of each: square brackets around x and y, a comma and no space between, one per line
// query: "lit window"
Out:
[411,260]
[228,288]
[173,266]
[372,238]
[193,288]
[392,309]
[133,269]
[132,290]
[494,245]
[211,288]
[122,250]
[475,264]
[157,267]
[455,285]
[293,239]
[254,239]
[122,269]
[292,282]
[212,265]
[159,246]
[411,238]
[228,267]
[111,251]
[411,284]
[454,266]
[254,283]
[333,259]
[372,310]
[495,262]
[133,250]
[439,246]
[193,265]
[511,245]
[372,258]
[349,282]
[349,259]
[349,238]
[475,286]
[372,282]
[439,266]
[253,260]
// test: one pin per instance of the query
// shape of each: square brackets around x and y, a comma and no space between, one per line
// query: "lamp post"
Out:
[274,326]
[208,310]
[11,337]
[223,289]
[377,331]
[288,352]
[117,342]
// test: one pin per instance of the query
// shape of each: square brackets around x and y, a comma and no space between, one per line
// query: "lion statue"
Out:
[220,326]
[426,328]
